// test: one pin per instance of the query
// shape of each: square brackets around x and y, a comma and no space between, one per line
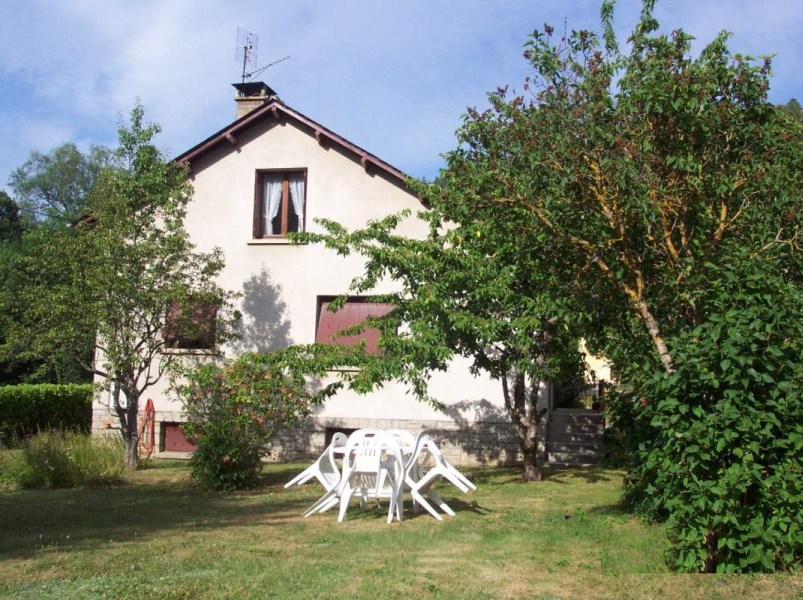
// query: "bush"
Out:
[722,437]
[232,412]
[61,459]
[27,409]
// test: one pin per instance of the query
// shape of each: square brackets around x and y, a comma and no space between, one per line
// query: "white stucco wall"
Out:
[281,283]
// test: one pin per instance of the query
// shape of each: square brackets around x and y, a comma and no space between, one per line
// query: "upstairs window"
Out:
[191,327]
[354,312]
[279,202]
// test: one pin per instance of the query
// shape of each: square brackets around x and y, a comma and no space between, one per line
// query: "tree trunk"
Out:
[521,401]
[530,451]
[655,333]
[131,453]
[128,428]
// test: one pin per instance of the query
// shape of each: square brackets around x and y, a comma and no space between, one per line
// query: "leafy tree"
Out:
[792,109]
[55,186]
[11,223]
[124,276]
[466,291]
[658,177]
[644,190]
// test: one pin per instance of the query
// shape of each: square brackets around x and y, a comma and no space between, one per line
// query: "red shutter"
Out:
[354,312]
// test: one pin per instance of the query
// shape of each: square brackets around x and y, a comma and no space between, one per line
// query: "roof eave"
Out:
[276,108]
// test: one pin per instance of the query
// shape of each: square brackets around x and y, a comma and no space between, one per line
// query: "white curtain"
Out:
[273,198]
[296,181]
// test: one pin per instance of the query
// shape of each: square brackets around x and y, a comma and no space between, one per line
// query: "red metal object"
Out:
[147,430]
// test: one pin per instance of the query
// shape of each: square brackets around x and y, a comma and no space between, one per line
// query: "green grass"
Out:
[160,536]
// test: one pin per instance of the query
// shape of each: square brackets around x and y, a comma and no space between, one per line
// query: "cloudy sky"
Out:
[391,76]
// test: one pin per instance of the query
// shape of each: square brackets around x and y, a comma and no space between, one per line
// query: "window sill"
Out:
[191,351]
[271,241]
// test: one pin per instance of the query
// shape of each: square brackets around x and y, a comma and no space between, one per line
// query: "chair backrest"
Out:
[339,440]
[367,450]
[326,463]
[405,438]
[356,440]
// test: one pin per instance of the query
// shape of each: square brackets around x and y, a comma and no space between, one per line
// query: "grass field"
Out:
[160,536]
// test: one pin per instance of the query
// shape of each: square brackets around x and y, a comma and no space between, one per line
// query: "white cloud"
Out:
[393,77]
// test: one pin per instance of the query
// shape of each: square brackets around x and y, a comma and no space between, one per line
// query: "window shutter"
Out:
[259,201]
[354,312]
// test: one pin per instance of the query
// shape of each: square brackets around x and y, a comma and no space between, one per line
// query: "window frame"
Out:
[258,225]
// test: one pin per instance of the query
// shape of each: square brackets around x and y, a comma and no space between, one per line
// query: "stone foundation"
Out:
[483,443]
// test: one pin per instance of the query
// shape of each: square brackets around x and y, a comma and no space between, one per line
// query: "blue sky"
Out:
[391,76]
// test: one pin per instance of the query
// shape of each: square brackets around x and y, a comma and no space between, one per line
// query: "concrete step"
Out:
[581,437]
[572,448]
[566,427]
[579,417]
[570,458]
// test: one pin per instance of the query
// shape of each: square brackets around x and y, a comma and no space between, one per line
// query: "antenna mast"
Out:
[246,50]
[245,53]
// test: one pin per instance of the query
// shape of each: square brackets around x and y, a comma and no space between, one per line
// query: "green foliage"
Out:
[792,109]
[649,183]
[11,222]
[61,459]
[468,289]
[114,275]
[55,186]
[28,409]
[721,457]
[233,410]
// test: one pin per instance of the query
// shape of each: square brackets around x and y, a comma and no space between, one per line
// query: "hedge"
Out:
[26,409]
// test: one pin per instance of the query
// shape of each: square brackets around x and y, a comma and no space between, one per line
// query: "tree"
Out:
[57,367]
[792,109]
[55,186]
[657,194]
[126,276]
[463,291]
[11,223]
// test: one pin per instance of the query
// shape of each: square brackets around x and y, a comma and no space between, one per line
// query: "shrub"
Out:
[12,467]
[232,411]
[723,437]
[26,409]
[59,459]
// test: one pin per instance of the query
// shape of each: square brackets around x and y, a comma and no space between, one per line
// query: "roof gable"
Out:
[278,110]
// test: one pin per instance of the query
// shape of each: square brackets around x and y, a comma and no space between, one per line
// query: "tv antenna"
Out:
[245,53]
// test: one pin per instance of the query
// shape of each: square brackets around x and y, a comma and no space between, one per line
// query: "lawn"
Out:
[160,536]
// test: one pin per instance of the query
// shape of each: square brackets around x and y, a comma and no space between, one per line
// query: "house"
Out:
[272,171]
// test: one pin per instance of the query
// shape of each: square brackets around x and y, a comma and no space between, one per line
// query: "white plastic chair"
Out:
[405,438]
[420,480]
[370,477]
[373,468]
[325,468]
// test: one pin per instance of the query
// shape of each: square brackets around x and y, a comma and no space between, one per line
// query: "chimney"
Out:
[251,95]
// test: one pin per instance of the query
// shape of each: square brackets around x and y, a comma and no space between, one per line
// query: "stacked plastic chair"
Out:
[324,469]
[419,477]
[372,468]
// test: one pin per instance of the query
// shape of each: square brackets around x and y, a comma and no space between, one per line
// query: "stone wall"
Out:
[483,443]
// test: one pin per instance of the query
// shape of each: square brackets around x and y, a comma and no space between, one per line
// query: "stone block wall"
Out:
[484,443]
